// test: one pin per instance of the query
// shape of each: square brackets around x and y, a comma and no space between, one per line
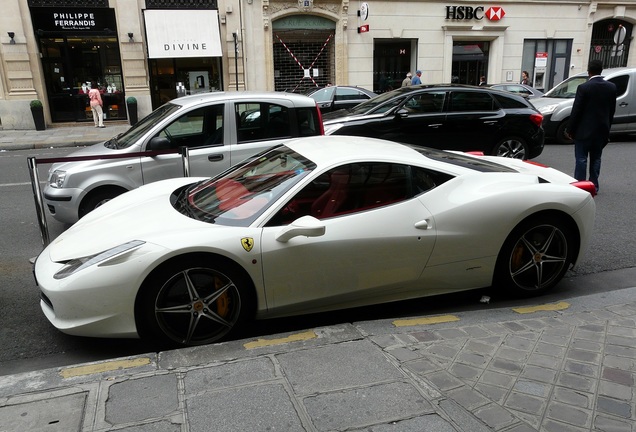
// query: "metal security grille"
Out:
[69,3]
[604,46]
[181,4]
[301,65]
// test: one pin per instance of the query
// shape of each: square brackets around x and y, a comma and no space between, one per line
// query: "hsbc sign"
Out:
[493,13]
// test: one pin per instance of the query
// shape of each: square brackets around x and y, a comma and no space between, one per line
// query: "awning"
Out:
[182,33]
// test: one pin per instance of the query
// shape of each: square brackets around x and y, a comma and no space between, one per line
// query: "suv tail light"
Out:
[536,119]
[587,186]
[322,126]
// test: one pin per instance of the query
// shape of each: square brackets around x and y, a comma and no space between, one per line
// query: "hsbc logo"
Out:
[493,13]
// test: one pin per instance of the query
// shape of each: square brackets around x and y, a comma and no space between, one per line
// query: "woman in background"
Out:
[96,105]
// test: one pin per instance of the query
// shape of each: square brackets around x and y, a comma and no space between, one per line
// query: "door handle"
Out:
[623,104]
[215,157]
[423,224]
[435,125]
[489,122]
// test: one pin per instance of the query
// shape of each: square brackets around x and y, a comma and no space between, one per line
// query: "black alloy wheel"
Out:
[511,147]
[193,302]
[534,257]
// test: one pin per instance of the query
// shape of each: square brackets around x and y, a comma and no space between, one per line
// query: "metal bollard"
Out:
[39,202]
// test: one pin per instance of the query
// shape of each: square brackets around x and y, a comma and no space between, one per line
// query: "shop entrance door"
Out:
[470,62]
[70,65]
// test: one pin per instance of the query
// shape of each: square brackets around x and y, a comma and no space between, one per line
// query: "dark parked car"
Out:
[524,90]
[333,98]
[449,117]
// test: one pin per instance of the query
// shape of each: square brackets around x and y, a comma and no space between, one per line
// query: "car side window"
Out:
[323,95]
[462,101]
[348,94]
[509,102]
[426,103]
[424,180]
[621,84]
[261,121]
[348,189]
[197,128]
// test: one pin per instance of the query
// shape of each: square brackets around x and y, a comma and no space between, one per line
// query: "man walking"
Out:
[417,78]
[590,121]
[407,81]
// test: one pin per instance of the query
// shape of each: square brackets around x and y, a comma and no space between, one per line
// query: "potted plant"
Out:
[37,110]
[131,105]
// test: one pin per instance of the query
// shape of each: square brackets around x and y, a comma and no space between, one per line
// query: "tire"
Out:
[194,300]
[511,147]
[561,137]
[534,257]
[96,199]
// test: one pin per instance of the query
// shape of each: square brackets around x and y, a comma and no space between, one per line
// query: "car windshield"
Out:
[132,135]
[243,193]
[567,89]
[381,103]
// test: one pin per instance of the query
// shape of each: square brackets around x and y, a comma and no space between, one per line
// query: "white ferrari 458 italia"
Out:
[317,224]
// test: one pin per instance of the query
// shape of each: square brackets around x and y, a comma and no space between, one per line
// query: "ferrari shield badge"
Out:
[247,243]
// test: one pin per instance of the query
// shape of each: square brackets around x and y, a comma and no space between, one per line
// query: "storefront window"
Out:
[79,50]
[174,77]
[72,65]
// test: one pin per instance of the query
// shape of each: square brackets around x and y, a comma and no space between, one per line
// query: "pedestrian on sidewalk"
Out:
[417,78]
[96,105]
[590,122]
[407,80]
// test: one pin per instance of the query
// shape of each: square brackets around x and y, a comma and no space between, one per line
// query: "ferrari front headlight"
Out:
[75,265]
[56,179]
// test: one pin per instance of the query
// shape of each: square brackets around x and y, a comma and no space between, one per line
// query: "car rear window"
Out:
[509,102]
[461,160]
[308,121]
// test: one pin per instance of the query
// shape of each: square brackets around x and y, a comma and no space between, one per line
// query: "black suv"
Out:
[448,117]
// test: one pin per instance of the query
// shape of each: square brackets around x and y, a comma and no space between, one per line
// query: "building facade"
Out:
[157,50]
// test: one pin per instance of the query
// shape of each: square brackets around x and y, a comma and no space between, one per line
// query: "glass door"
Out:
[72,65]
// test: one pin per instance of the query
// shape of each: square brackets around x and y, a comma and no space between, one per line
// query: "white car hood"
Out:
[141,214]
[545,101]
[98,149]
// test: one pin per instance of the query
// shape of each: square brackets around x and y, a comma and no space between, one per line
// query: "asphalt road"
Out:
[29,342]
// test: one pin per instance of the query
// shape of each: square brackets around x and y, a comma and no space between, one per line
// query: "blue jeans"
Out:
[581,151]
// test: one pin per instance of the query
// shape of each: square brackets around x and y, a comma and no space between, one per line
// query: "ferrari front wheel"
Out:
[535,257]
[193,302]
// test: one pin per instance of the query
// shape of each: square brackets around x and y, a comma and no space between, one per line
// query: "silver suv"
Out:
[219,129]
[556,105]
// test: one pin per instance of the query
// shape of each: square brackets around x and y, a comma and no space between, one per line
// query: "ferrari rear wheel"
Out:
[535,257]
[194,302]
[511,147]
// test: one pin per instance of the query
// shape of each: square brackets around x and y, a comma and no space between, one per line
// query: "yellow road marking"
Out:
[425,321]
[103,367]
[545,307]
[260,343]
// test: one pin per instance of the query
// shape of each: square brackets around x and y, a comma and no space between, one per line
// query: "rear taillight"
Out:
[322,127]
[536,119]
[587,186]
